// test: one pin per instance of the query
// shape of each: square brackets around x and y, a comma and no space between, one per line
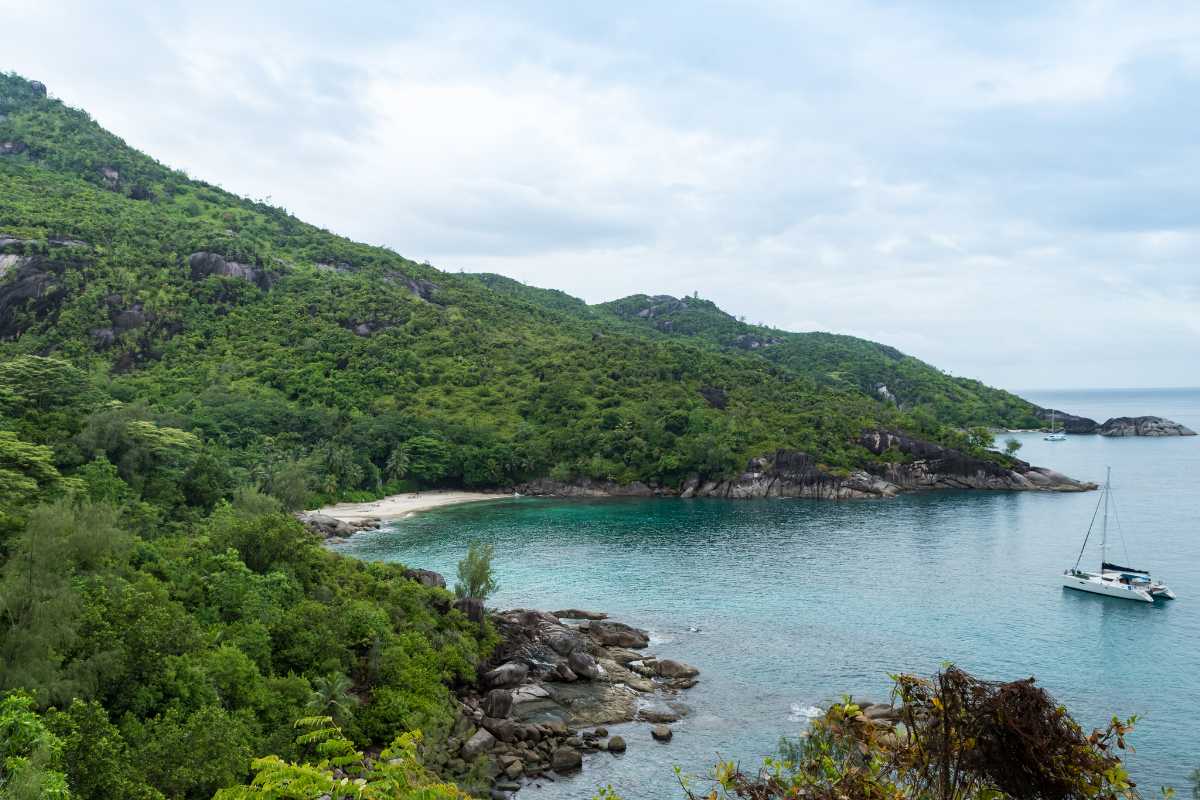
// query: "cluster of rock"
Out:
[334,529]
[1114,426]
[203,264]
[557,680]
[1143,426]
[790,473]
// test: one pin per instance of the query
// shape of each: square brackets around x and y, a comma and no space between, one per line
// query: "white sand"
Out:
[401,505]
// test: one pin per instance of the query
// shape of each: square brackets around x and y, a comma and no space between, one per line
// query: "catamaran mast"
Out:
[1104,524]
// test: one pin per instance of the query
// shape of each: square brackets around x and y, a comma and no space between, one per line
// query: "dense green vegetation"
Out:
[320,367]
[179,368]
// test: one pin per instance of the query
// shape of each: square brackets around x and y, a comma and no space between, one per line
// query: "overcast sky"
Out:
[1010,194]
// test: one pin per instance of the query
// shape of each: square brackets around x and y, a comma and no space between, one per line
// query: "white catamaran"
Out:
[1055,436]
[1113,580]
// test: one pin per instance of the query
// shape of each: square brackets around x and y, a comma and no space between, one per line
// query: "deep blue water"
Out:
[799,601]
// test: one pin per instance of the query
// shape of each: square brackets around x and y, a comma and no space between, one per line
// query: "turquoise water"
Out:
[785,604]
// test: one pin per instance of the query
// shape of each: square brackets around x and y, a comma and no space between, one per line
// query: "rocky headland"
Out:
[921,466]
[553,685]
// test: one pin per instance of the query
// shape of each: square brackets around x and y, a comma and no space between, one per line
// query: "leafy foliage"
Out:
[959,738]
[475,578]
[340,772]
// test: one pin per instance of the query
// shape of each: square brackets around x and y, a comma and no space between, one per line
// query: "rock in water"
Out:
[577,613]
[566,759]
[669,668]
[616,744]
[1143,426]
[661,733]
[618,634]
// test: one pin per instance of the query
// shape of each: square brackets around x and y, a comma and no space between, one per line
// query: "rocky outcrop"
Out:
[548,682]
[203,264]
[426,577]
[1143,426]
[421,288]
[331,527]
[1067,422]
[790,473]
[11,147]
[31,290]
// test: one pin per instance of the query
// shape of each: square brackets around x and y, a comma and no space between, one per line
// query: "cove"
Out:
[787,604]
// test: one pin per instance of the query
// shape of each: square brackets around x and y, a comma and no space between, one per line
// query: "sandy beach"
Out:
[401,505]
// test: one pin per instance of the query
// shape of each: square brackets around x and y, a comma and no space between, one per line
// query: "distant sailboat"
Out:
[1113,580]
[1052,436]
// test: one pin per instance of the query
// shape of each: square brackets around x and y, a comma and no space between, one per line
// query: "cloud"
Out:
[1007,192]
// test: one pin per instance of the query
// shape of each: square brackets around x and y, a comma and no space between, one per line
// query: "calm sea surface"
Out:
[787,604]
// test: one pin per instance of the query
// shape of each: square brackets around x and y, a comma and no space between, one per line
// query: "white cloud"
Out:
[1005,194]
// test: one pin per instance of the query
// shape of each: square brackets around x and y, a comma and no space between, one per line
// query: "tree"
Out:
[331,698]
[475,578]
[952,737]
[31,756]
[1011,446]
[980,438]
[397,463]
[340,772]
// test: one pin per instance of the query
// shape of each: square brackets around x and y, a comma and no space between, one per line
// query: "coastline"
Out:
[401,505]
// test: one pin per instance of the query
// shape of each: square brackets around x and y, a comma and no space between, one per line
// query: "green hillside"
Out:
[180,368]
[286,349]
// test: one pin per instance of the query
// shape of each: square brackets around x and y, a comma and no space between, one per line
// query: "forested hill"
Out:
[133,298]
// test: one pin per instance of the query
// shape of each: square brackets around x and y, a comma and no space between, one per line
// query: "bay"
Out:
[788,604]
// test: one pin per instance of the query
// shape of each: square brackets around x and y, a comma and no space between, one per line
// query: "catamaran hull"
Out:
[1096,587]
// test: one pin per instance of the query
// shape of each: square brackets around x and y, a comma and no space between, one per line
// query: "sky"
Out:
[1010,191]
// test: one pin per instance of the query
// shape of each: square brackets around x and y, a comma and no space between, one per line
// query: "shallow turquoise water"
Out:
[796,602]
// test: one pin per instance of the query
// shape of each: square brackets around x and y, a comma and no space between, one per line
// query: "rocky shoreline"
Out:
[917,466]
[554,684]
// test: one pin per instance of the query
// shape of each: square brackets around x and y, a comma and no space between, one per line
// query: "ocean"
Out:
[786,605]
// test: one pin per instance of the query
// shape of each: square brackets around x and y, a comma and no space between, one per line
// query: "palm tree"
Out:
[331,697]
[398,463]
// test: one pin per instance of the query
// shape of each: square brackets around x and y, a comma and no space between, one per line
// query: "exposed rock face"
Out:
[204,264]
[38,88]
[751,341]
[426,577]
[31,285]
[481,742]
[421,288]
[1068,422]
[616,634]
[11,147]
[578,613]
[1143,426]
[497,703]
[9,261]
[472,608]
[507,675]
